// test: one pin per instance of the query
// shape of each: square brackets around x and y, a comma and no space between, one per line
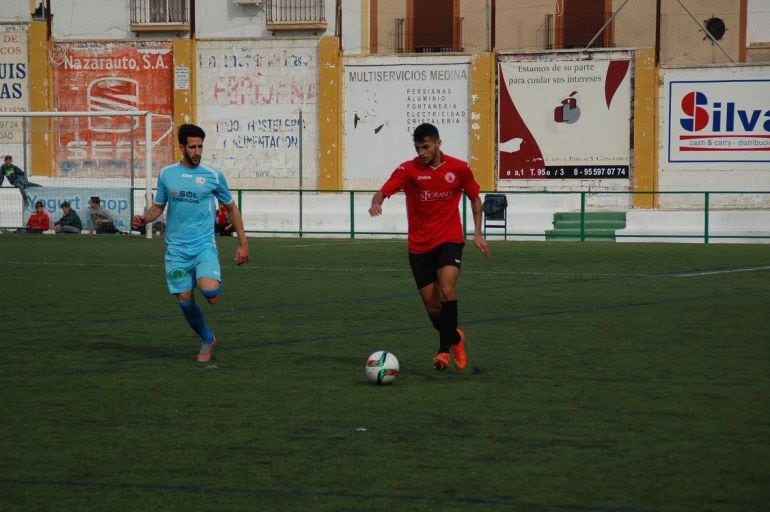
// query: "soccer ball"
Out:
[381,367]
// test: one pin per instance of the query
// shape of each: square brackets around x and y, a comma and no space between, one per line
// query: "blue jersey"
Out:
[190,195]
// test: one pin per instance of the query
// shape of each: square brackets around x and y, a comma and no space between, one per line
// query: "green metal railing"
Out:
[351,229]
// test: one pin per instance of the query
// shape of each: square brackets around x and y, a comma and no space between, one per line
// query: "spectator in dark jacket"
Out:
[16,177]
[69,222]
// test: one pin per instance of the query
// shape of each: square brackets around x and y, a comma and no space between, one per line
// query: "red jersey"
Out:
[432,200]
[39,221]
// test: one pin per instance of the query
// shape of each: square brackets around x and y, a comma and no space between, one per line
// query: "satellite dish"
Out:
[715,27]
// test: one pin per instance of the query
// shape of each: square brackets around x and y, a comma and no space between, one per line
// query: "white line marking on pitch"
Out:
[729,271]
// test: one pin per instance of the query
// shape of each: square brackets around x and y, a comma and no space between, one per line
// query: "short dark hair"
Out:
[39,203]
[96,199]
[189,130]
[425,130]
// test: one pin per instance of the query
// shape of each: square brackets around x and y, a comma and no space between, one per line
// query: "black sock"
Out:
[447,322]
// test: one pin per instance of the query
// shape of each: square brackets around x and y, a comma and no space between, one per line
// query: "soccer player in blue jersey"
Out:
[191,189]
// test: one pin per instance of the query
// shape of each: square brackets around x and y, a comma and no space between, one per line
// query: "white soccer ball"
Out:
[382,367]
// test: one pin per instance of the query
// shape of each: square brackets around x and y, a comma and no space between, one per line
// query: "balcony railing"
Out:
[160,15]
[295,15]
[449,42]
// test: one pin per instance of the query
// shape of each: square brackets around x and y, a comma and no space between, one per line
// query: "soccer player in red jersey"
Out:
[434,183]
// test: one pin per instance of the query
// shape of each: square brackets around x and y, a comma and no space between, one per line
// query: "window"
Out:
[758,23]
[581,20]
[436,29]
[295,15]
[160,15]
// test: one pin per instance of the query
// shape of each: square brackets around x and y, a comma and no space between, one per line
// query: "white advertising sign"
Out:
[14,84]
[13,69]
[250,95]
[384,103]
[564,117]
[717,119]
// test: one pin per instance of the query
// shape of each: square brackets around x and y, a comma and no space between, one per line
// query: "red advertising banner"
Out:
[112,76]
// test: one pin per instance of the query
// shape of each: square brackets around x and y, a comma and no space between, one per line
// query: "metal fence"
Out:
[581,216]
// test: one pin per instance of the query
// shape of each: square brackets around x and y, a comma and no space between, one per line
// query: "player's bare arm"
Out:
[478,237]
[155,211]
[242,251]
[376,208]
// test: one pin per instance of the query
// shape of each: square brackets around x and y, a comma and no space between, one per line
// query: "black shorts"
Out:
[425,266]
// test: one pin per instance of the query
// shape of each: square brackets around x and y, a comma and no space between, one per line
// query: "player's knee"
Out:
[212,295]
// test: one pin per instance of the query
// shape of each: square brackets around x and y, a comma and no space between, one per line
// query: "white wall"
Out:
[14,10]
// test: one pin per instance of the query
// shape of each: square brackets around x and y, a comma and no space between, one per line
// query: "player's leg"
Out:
[430,298]
[447,318]
[452,338]
[194,316]
[180,278]
[210,289]
[208,273]
[424,272]
[432,303]
[425,277]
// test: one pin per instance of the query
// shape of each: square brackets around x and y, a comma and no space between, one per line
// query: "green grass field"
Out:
[606,377]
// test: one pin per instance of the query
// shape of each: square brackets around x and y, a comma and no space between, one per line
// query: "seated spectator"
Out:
[16,178]
[100,219]
[69,222]
[38,221]
[222,224]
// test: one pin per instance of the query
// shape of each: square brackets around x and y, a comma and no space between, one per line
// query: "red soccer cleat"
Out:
[204,356]
[459,357]
[441,361]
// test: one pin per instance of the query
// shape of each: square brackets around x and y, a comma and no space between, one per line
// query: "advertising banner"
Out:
[564,116]
[717,119]
[14,84]
[100,76]
[250,95]
[384,103]
[115,200]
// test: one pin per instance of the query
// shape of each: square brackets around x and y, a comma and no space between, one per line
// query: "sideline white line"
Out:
[728,271]
[341,242]
[77,264]
[405,268]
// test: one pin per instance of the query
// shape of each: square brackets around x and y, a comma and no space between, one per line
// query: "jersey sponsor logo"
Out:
[184,196]
[185,175]
[450,177]
[423,177]
[436,195]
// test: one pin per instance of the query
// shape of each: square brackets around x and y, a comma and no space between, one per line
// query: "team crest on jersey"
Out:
[450,177]
[200,180]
